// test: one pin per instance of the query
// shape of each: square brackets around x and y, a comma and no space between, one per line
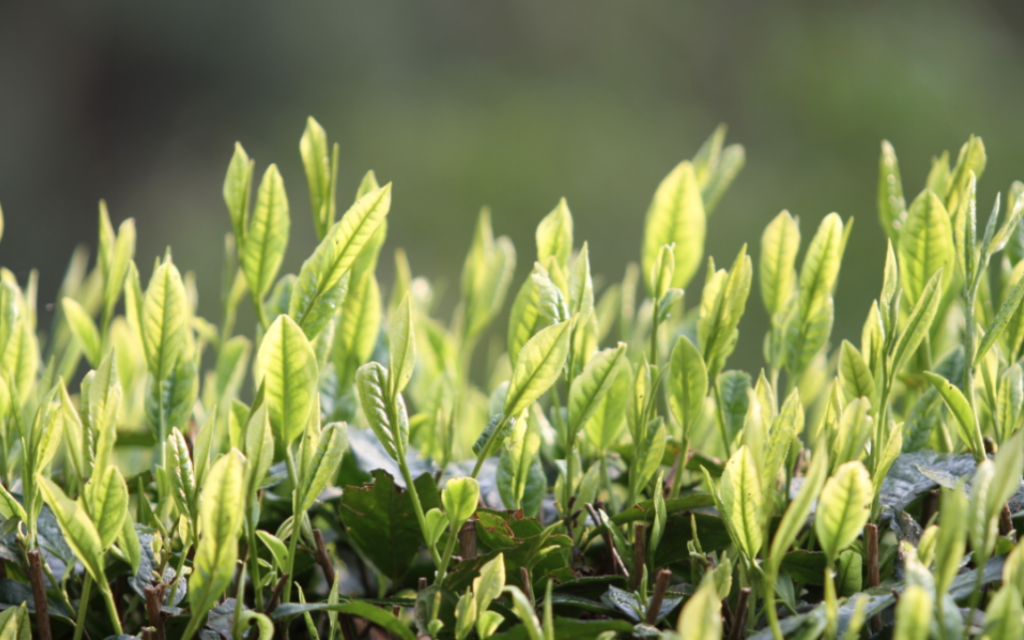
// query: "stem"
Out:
[293,541]
[486,448]
[654,335]
[606,480]
[660,587]
[417,506]
[39,594]
[449,548]
[740,616]
[154,595]
[874,577]
[254,561]
[769,604]
[969,339]
[83,606]
[111,609]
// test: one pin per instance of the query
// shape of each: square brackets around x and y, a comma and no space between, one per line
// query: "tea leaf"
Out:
[799,509]
[237,189]
[854,373]
[913,614]
[925,244]
[554,235]
[320,288]
[591,387]
[687,384]
[358,326]
[266,237]
[321,173]
[84,330]
[278,549]
[675,217]
[606,425]
[287,367]
[919,322]
[108,504]
[371,383]
[952,537]
[538,304]
[324,465]
[743,498]
[701,616]
[15,623]
[460,498]
[402,351]
[972,158]
[1006,312]
[843,508]
[217,551]
[892,208]
[779,246]
[961,410]
[78,529]
[163,320]
[538,367]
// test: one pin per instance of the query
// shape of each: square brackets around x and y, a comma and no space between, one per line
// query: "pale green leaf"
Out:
[15,623]
[780,243]
[919,322]
[843,508]
[539,364]
[320,288]
[854,373]
[554,235]
[675,216]
[78,529]
[108,504]
[961,410]
[214,565]
[460,498]
[287,366]
[358,326]
[1006,313]
[799,509]
[277,548]
[321,173]
[892,208]
[371,384]
[591,386]
[237,190]
[687,384]
[164,320]
[925,244]
[489,584]
[605,427]
[267,235]
[743,498]
[538,304]
[701,616]
[84,330]
[324,464]
[402,347]
[913,614]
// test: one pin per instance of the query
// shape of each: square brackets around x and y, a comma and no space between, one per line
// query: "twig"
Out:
[1005,521]
[524,576]
[740,617]
[654,605]
[639,553]
[616,560]
[35,575]
[275,597]
[156,619]
[874,578]
[467,540]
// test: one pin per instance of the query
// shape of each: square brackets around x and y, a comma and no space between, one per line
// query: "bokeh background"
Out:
[509,104]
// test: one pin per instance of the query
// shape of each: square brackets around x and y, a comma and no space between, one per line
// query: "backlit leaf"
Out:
[779,246]
[538,366]
[843,508]
[288,369]
[925,244]
[675,216]
[267,235]
[554,235]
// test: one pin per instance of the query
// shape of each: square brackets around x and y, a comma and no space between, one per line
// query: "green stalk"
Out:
[606,480]
[254,560]
[83,606]
[487,447]
[111,609]
[969,347]
[449,549]
[293,541]
[417,507]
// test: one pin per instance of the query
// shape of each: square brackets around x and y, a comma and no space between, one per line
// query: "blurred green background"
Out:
[512,105]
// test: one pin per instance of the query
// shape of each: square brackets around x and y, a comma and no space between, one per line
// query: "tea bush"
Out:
[340,473]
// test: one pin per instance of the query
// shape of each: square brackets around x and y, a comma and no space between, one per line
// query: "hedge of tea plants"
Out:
[356,466]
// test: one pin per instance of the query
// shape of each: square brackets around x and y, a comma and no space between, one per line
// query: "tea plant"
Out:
[347,471]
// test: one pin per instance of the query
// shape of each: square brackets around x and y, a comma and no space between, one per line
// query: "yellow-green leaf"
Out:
[324,464]
[214,565]
[743,498]
[925,244]
[843,508]
[538,366]
[267,235]
[961,410]
[675,216]
[687,384]
[554,235]
[287,366]
[237,189]
[779,246]
[590,387]
[402,347]
[892,208]
[164,318]
[107,502]
[78,529]
[799,509]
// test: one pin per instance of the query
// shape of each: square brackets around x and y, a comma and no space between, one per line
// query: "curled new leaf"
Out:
[675,217]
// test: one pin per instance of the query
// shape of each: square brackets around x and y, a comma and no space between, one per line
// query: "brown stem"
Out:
[1005,521]
[524,577]
[467,540]
[654,605]
[119,588]
[154,596]
[35,574]
[275,597]
[617,562]
[929,507]
[639,553]
[874,577]
[421,584]
[740,617]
